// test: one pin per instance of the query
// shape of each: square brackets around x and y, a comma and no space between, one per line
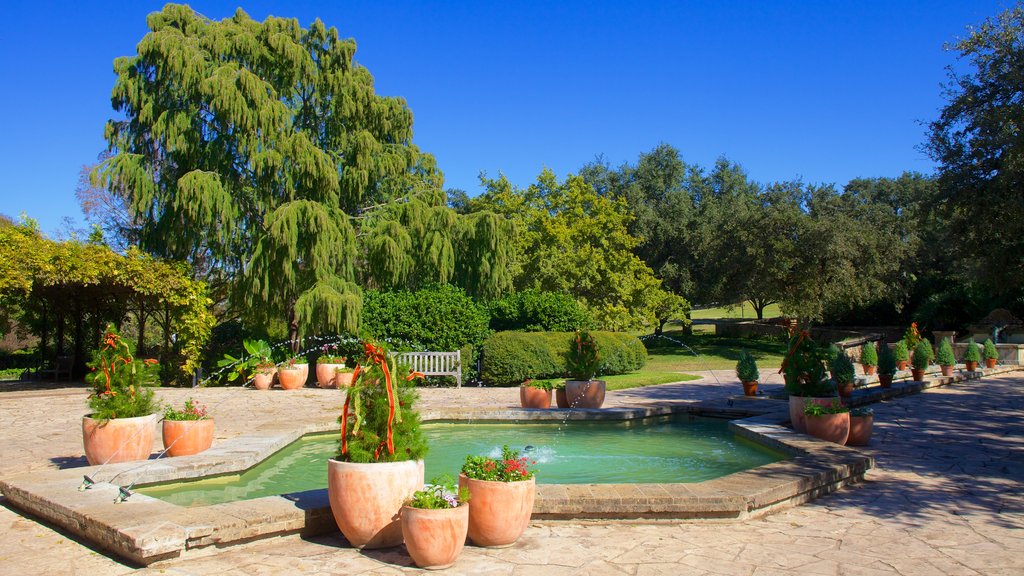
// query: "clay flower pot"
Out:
[845,390]
[498,511]
[947,370]
[885,380]
[561,400]
[868,370]
[293,378]
[860,430]
[187,437]
[917,375]
[990,362]
[750,388]
[264,379]
[118,439]
[902,364]
[366,499]
[970,366]
[585,393]
[531,397]
[831,427]
[326,375]
[796,410]
[435,538]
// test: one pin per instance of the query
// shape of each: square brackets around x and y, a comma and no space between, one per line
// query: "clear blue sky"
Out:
[825,91]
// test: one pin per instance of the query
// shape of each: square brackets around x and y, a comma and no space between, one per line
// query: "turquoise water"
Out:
[669,449]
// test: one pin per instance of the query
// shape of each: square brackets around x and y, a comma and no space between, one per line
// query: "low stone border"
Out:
[146,530]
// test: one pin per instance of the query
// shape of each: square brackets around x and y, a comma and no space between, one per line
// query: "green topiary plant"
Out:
[901,352]
[869,354]
[804,367]
[922,355]
[972,354]
[945,355]
[990,350]
[886,360]
[584,357]
[120,382]
[746,368]
[842,368]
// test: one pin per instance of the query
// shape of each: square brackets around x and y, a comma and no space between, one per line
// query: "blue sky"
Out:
[823,91]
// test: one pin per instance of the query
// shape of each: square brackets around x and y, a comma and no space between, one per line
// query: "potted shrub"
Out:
[501,494]
[187,431]
[804,371]
[536,394]
[886,366]
[829,422]
[121,425]
[583,391]
[922,357]
[902,354]
[945,357]
[833,352]
[379,464]
[292,374]
[561,400]
[258,366]
[746,371]
[435,522]
[862,421]
[868,358]
[971,356]
[843,372]
[991,354]
[327,366]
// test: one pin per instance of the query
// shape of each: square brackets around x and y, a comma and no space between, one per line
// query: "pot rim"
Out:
[190,422]
[437,511]
[342,463]
[531,479]
[154,415]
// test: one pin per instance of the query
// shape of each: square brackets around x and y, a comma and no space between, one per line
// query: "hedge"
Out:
[538,311]
[511,357]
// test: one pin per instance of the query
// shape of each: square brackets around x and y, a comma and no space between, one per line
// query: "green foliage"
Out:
[912,336]
[869,354]
[535,310]
[193,410]
[886,360]
[922,355]
[804,367]
[509,468]
[541,384]
[438,317]
[901,352]
[584,356]
[746,368]
[510,358]
[945,356]
[972,354]
[120,382]
[991,353]
[259,358]
[439,494]
[842,368]
[814,409]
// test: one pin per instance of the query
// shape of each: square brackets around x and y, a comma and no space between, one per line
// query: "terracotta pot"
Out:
[366,499]
[946,370]
[264,379]
[326,376]
[118,440]
[902,364]
[845,390]
[990,362]
[860,430]
[831,427]
[561,400]
[868,370]
[750,388]
[187,437]
[531,397]
[293,378]
[343,379]
[970,366]
[885,380]
[796,410]
[585,393]
[917,375]
[498,511]
[435,538]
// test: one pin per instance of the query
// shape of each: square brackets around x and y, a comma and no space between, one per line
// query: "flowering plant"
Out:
[439,494]
[119,380]
[292,363]
[330,354]
[193,410]
[510,468]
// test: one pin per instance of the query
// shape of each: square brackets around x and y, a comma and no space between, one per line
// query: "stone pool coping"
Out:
[146,530]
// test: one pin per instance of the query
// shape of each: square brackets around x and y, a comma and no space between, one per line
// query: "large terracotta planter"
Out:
[187,437]
[885,380]
[366,499]
[970,366]
[326,375]
[831,427]
[585,393]
[750,388]
[796,410]
[118,440]
[435,538]
[860,430]
[868,370]
[531,397]
[990,362]
[561,399]
[498,511]
[264,379]
[917,375]
[946,370]
[293,378]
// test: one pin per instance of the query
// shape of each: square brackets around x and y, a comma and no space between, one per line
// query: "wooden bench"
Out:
[435,363]
[60,369]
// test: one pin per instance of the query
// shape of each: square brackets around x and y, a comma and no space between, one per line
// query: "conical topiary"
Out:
[869,354]
[945,355]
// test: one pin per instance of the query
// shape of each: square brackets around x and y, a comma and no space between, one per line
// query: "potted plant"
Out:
[922,357]
[121,424]
[561,400]
[501,494]
[804,371]
[843,372]
[862,421]
[187,431]
[328,365]
[293,373]
[583,391]
[379,464]
[902,354]
[971,356]
[258,366]
[868,358]
[435,522]
[536,394]
[746,371]
[833,352]
[945,357]
[991,354]
[829,422]
[886,366]
[343,376]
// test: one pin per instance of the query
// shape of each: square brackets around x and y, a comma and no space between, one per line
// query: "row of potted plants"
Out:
[259,367]
[582,390]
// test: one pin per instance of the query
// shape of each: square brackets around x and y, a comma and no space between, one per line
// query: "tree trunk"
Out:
[140,345]
[661,326]
[688,325]
[78,351]
[293,327]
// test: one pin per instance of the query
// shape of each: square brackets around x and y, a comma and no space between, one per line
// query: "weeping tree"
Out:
[259,151]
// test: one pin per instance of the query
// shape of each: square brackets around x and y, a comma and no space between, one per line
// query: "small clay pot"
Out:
[885,380]
[187,437]
[917,375]
[970,366]
[264,379]
[343,379]
[531,397]
[860,430]
[435,538]
[902,364]
[498,511]
[845,390]
[326,375]
[868,369]
[750,388]
[366,499]
[831,427]
[118,439]
[990,362]
[293,378]
[796,410]
[946,370]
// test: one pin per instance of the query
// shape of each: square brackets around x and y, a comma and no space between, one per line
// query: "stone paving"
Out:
[947,497]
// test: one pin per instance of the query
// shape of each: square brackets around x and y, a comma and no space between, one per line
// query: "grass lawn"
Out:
[645,377]
[716,353]
[735,311]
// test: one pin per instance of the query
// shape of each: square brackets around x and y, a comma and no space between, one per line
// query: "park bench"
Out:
[59,370]
[435,363]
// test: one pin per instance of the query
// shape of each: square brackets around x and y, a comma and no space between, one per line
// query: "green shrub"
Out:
[945,355]
[972,354]
[439,317]
[886,360]
[538,311]
[922,355]
[901,353]
[869,354]
[746,368]
[120,381]
[842,368]
[584,357]
[990,350]
[509,358]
